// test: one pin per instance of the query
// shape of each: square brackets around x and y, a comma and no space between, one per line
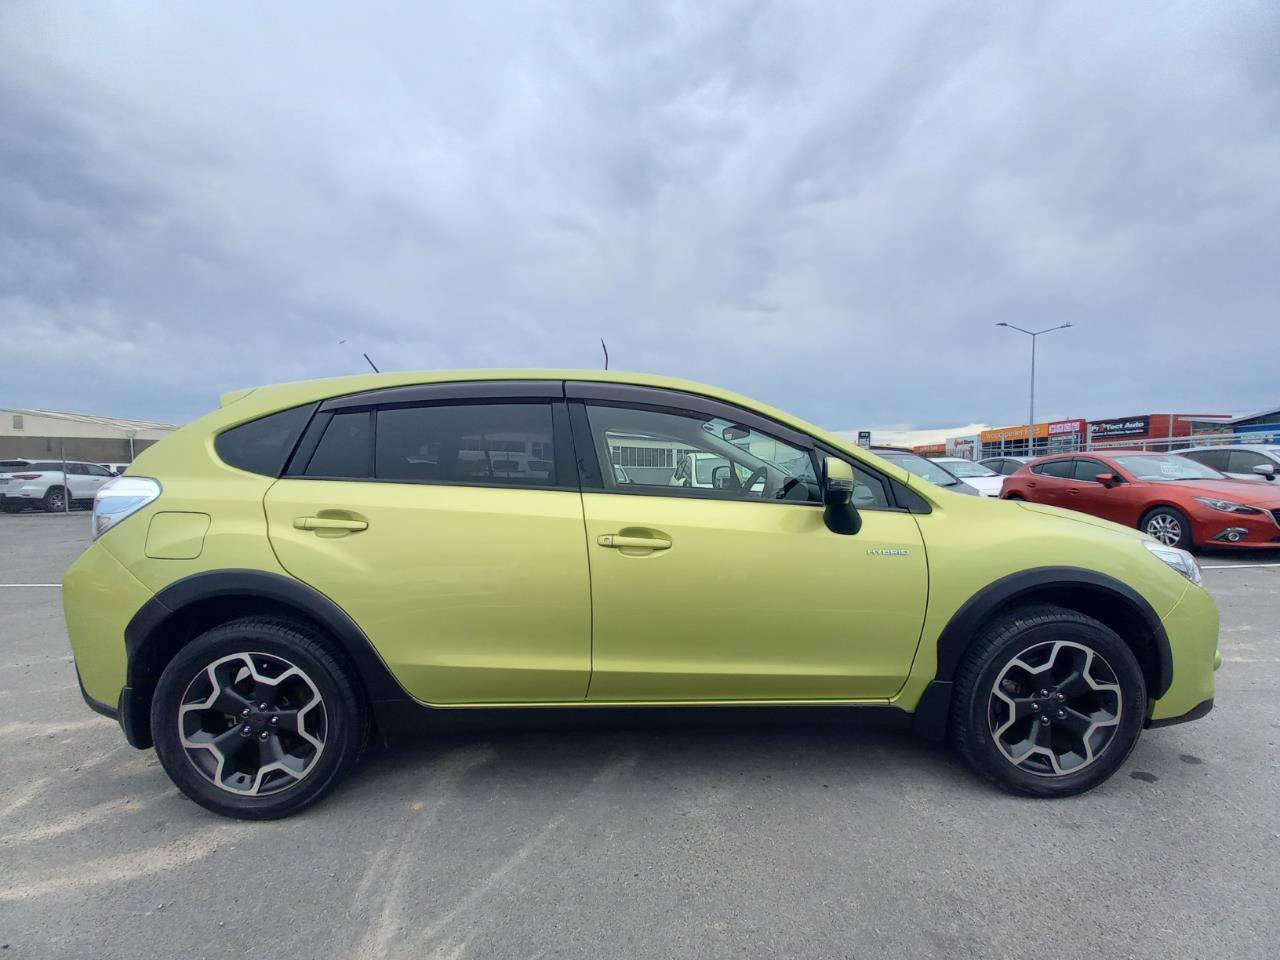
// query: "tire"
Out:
[1014,496]
[219,744]
[55,500]
[1163,522]
[999,730]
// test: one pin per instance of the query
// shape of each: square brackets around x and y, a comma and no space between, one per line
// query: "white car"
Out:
[983,479]
[43,485]
[1240,461]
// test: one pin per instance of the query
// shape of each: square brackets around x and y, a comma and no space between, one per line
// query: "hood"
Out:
[1241,491]
[1086,519]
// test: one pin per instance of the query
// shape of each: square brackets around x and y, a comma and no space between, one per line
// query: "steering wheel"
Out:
[759,473]
[791,484]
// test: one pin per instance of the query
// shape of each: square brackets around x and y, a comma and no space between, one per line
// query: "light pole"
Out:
[1031,413]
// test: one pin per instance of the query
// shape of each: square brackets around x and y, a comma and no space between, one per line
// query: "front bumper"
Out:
[1192,628]
[1220,529]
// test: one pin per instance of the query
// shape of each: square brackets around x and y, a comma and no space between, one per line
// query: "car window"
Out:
[1087,469]
[920,466]
[503,443]
[263,445]
[96,471]
[1053,468]
[1215,459]
[678,453]
[44,466]
[344,452]
[967,468]
[1243,461]
[1165,467]
[77,469]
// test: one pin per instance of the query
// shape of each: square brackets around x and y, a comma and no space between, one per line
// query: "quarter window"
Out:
[690,454]
[503,443]
[263,445]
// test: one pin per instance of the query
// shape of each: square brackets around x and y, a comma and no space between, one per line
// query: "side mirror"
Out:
[1106,479]
[720,477]
[840,515]
[1267,470]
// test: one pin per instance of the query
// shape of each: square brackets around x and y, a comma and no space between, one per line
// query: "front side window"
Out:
[1243,461]
[921,466]
[502,443]
[1088,470]
[663,451]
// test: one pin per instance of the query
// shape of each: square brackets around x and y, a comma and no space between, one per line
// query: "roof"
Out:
[1244,416]
[118,423]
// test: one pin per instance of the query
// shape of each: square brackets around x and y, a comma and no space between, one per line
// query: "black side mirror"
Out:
[840,515]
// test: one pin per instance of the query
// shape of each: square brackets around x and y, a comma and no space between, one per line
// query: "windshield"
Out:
[933,472]
[1166,466]
[967,468]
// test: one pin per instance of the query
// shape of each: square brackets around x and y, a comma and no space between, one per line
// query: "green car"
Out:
[319,565]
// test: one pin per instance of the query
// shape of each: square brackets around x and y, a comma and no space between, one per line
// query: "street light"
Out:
[1031,413]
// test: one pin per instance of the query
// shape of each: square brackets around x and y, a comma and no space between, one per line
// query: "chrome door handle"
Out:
[638,543]
[329,523]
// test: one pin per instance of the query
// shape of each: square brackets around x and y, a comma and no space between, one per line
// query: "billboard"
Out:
[1120,427]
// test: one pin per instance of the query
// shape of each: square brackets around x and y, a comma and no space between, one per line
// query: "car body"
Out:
[268,588]
[42,485]
[1005,465]
[925,469]
[982,478]
[1172,498]
[1241,461]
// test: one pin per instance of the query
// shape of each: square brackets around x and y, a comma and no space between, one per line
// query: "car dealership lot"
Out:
[735,840]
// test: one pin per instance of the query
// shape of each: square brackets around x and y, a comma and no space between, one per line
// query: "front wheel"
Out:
[1048,702]
[256,719]
[55,500]
[1169,526]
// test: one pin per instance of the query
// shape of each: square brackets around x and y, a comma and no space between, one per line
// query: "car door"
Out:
[95,476]
[1086,493]
[446,520]
[1049,482]
[80,482]
[1240,465]
[738,592]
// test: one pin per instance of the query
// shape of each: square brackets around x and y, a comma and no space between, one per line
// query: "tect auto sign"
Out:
[1122,427]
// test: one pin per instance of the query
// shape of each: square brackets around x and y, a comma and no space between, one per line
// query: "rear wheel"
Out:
[55,500]
[1167,525]
[1048,702]
[256,719]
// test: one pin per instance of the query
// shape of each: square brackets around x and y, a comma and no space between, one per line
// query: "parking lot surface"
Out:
[746,841]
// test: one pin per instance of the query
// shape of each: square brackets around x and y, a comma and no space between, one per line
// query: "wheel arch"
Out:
[1097,595]
[190,606]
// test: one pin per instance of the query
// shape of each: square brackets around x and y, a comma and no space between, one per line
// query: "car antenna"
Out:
[606,353]
[370,362]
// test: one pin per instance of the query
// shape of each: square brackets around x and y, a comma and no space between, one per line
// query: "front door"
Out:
[736,590]
[457,545]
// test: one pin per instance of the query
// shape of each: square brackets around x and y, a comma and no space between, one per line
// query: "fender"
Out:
[171,602]
[933,711]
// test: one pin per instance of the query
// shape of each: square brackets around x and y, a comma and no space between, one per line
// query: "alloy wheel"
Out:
[1055,708]
[1166,529]
[252,724]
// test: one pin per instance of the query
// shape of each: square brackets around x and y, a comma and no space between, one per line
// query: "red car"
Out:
[1171,498]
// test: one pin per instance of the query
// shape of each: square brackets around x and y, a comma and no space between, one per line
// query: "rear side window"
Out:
[502,443]
[263,445]
[346,449]
[1054,468]
[1216,459]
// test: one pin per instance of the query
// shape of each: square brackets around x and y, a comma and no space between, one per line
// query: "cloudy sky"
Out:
[827,206]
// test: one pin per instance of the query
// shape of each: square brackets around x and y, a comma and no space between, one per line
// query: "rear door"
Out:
[736,591]
[447,522]
[1049,482]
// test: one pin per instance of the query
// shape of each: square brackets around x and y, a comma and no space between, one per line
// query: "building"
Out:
[1144,431]
[48,434]
[1051,436]
[1260,427]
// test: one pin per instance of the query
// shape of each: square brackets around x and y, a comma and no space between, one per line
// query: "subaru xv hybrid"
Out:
[319,564]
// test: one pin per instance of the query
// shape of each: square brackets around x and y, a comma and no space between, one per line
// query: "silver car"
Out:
[43,485]
[1240,461]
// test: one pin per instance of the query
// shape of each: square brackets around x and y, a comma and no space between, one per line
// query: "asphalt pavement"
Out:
[767,841]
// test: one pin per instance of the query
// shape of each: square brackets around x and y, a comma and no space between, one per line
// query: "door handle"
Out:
[638,543]
[329,523]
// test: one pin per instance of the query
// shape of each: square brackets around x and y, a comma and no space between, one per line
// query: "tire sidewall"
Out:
[1128,673]
[342,719]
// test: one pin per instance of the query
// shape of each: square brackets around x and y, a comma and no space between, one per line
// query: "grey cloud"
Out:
[823,206]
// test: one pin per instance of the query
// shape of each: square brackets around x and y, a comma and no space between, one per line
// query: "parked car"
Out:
[1172,498]
[42,485]
[319,565]
[926,469]
[983,479]
[1243,461]
[1005,465]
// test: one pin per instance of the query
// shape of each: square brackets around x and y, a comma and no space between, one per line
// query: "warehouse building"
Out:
[48,434]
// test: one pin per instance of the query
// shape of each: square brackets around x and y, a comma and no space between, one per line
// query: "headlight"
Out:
[119,498]
[1226,505]
[1180,560]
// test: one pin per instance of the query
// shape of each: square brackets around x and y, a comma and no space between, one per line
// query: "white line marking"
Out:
[1239,566]
[58,585]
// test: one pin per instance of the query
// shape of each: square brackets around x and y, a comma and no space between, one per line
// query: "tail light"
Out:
[24,476]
